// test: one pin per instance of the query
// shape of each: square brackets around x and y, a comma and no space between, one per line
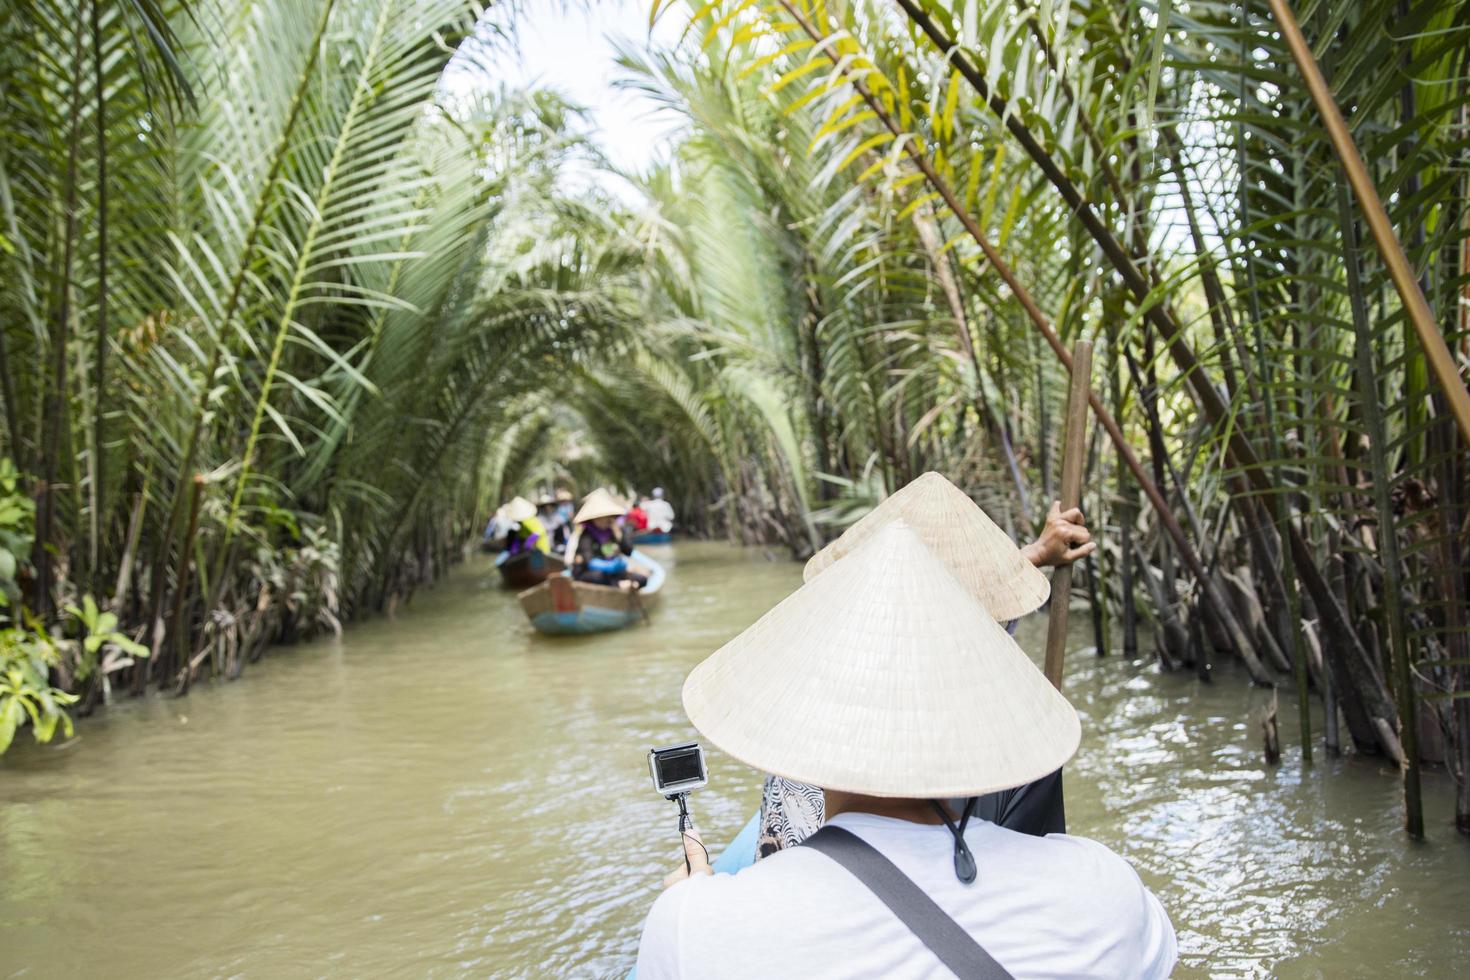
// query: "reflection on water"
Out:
[449,794]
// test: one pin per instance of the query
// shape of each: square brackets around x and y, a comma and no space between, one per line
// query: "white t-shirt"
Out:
[1054,906]
[660,514]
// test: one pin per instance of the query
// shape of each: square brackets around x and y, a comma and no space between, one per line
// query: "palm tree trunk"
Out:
[56,402]
[1392,591]
[98,482]
[1127,513]
[14,447]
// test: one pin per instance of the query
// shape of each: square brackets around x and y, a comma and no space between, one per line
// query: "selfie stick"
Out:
[683,800]
[684,824]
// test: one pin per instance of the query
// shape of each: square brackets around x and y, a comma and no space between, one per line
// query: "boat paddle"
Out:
[1072,462]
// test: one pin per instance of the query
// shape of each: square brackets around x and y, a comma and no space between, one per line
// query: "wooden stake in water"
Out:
[1073,451]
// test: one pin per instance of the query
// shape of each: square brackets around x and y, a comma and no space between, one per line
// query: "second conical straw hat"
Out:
[599,503]
[981,555]
[519,509]
[883,676]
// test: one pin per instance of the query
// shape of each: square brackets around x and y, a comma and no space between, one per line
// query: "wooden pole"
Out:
[1073,451]
[1436,352]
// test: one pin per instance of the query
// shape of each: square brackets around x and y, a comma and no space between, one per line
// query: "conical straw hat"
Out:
[883,676]
[519,509]
[599,503]
[981,555]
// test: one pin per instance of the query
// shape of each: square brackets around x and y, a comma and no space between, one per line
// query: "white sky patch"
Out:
[569,47]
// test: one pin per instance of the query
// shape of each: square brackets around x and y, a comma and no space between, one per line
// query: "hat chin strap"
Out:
[964,861]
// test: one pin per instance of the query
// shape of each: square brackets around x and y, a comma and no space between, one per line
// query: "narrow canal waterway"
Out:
[449,794]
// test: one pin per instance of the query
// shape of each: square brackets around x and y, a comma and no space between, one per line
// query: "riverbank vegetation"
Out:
[284,309]
[267,296]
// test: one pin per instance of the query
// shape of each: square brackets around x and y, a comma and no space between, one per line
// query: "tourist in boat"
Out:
[561,531]
[636,518]
[602,546]
[1006,580]
[549,513]
[885,682]
[496,529]
[526,533]
[660,512]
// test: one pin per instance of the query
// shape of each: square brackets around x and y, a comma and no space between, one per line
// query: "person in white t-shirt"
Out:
[660,512]
[887,684]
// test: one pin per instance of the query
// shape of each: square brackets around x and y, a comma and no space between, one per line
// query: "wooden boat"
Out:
[564,607]
[653,537]
[527,568]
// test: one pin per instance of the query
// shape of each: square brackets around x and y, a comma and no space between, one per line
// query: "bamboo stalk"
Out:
[1436,352]
[1073,449]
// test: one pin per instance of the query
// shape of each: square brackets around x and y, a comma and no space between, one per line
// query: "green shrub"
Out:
[27,655]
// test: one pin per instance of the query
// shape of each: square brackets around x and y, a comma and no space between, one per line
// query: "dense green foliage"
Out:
[268,291]
[1155,179]
[282,314]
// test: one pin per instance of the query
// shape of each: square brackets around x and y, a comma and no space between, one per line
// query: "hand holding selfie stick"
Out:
[687,833]
[1072,463]
[677,771]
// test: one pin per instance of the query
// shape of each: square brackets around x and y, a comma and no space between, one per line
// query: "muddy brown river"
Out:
[449,794]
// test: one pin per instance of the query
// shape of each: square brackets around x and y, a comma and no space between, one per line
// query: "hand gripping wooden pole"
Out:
[1074,449]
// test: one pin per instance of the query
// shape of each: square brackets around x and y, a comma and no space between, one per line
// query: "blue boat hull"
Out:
[653,537]
[561,606]
[582,622]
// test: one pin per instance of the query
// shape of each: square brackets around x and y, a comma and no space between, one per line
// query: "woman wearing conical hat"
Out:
[526,532]
[603,547]
[887,684]
[1005,579]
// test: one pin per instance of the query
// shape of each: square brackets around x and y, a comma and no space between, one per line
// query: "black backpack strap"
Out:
[946,939]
